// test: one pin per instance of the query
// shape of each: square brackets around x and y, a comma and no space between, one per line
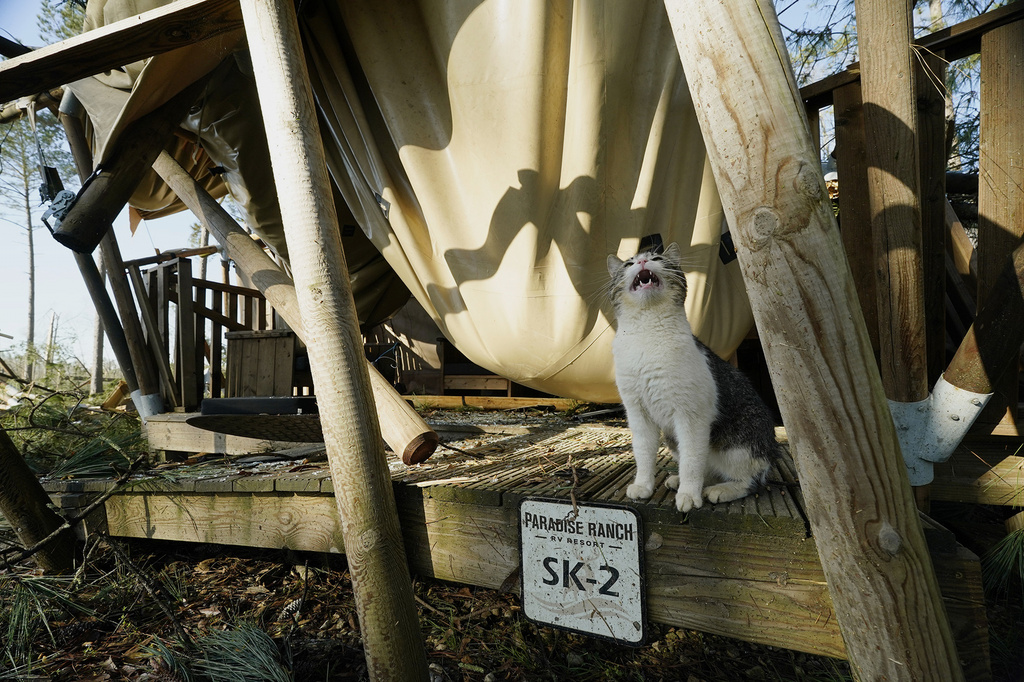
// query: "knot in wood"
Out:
[808,182]
[370,541]
[889,539]
[765,224]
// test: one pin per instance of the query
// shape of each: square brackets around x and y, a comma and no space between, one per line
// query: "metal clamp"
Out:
[59,208]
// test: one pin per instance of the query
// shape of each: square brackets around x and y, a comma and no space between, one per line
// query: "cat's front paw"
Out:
[639,491]
[672,482]
[686,501]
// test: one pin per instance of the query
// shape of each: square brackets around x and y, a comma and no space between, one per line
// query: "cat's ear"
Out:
[613,264]
[672,253]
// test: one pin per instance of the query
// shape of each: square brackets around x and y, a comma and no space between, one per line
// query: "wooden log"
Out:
[859,504]
[24,504]
[887,78]
[1001,183]
[393,643]
[992,344]
[110,47]
[111,323]
[402,428]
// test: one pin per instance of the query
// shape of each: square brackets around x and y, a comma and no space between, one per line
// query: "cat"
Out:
[671,384]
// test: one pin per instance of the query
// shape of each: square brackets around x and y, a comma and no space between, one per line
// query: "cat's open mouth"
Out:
[645,278]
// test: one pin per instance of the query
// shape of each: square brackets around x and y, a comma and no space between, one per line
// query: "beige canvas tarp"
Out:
[495,153]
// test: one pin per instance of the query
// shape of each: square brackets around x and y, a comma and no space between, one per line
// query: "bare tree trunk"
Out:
[51,340]
[204,240]
[30,337]
[23,502]
[96,381]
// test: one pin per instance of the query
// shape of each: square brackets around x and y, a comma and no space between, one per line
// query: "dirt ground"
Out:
[305,604]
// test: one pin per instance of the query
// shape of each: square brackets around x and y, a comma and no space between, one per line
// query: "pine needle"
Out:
[1003,565]
[242,654]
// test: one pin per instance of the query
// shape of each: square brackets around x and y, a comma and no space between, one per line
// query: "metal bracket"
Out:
[931,429]
[59,208]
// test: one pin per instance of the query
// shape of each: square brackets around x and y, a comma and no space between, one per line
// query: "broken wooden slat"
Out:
[110,47]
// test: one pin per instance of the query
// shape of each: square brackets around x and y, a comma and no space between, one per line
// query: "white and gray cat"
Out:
[670,383]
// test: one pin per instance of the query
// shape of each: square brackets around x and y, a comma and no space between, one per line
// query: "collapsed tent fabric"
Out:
[497,152]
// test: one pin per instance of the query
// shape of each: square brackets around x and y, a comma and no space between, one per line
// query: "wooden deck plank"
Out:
[302,522]
[988,472]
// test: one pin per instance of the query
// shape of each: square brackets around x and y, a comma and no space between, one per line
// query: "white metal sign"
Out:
[581,568]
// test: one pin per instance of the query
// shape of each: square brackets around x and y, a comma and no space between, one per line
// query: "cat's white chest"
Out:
[658,366]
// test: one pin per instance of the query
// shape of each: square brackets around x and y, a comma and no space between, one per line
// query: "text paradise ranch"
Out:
[592,529]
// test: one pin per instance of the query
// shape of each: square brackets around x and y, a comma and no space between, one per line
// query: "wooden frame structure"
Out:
[818,347]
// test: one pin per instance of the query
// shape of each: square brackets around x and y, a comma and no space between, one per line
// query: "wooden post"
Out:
[403,429]
[111,323]
[884,30]
[992,344]
[854,482]
[854,214]
[87,266]
[931,104]
[149,384]
[1001,180]
[94,207]
[392,640]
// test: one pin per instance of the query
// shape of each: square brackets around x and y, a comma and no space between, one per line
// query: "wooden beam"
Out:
[160,30]
[152,333]
[858,501]
[956,42]
[963,39]
[961,250]
[393,643]
[170,432]
[106,192]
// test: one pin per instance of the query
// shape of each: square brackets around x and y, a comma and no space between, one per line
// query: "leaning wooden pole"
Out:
[403,429]
[854,482]
[381,582]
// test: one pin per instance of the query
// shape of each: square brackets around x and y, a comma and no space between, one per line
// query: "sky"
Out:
[59,286]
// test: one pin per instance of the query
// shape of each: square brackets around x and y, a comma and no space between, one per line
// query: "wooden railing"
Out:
[185,333]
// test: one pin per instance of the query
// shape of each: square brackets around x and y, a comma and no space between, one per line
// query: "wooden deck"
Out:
[748,569]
